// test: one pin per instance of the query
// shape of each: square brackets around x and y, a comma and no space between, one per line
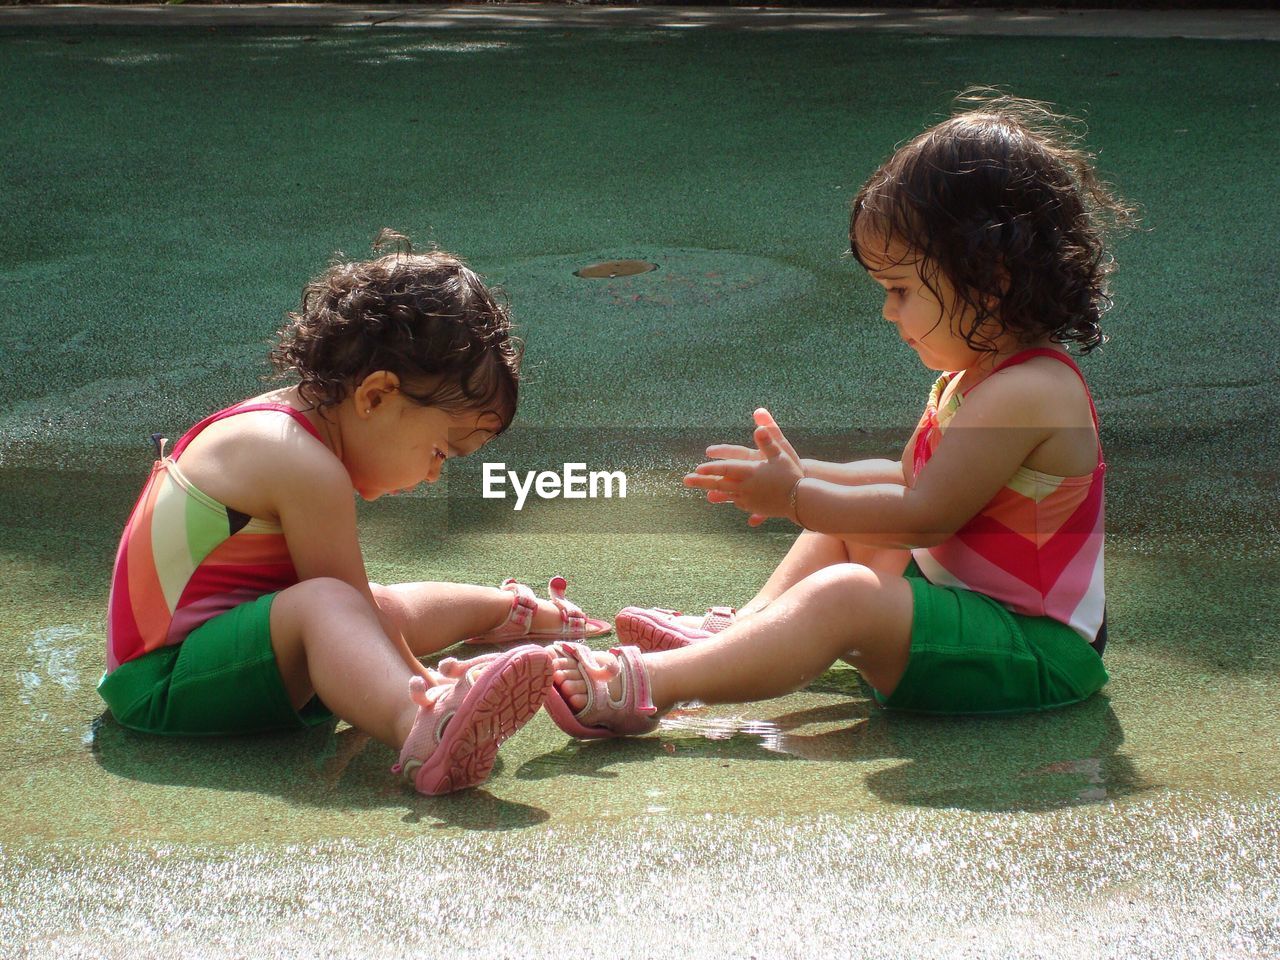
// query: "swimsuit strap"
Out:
[1031,354]
[195,431]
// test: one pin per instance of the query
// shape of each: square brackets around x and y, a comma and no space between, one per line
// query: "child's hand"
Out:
[732,451]
[757,481]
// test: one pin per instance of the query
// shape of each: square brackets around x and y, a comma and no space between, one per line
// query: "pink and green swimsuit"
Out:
[1036,547]
[184,557]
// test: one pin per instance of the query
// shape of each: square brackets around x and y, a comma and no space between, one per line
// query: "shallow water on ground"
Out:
[1192,709]
[1137,824]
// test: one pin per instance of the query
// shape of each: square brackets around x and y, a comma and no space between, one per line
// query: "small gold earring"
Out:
[368,410]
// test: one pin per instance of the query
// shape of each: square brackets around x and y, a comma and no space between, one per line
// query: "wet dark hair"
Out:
[1003,201]
[426,317]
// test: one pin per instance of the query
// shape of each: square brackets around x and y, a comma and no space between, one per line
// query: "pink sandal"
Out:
[653,628]
[631,714]
[461,724]
[574,624]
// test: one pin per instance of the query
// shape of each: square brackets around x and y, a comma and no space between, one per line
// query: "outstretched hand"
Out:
[758,481]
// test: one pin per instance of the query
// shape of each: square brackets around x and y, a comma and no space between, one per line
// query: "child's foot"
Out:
[568,678]
[460,725]
[600,695]
[558,618]
[653,628]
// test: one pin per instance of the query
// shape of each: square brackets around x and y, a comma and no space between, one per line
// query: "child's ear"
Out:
[1002,283]
[373,390]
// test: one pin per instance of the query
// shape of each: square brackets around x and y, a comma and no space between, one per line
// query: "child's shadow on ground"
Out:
[1040,761]
[323,767]
[1029,762]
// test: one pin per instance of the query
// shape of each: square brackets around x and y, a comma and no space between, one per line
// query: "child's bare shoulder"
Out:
[1046,397]
[250,461]
[1042,392]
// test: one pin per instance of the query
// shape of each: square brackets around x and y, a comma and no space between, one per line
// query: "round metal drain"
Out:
[608,269]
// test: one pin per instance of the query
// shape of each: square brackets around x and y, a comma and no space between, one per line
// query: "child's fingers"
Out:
[700,481]
[711,468]
[732,451]
[764,420]
[719,496]
[729,469]
[767,442]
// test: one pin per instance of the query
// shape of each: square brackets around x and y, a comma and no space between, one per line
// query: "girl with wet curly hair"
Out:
[426,317]
[240,601]
[1002,205]
[966,576]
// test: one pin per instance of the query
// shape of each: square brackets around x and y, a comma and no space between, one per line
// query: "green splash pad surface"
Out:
[167,193]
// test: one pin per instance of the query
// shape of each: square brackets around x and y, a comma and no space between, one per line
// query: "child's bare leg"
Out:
[327,641]
[812,552]
[842,610]
[432,616]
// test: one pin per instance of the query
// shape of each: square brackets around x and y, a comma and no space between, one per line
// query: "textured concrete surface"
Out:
[903,884]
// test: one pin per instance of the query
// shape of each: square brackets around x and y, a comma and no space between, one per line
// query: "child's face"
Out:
[402,444]
[926,322]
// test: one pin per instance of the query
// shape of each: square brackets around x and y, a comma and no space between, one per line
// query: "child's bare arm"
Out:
[855,473]
[316,506]
[986,442]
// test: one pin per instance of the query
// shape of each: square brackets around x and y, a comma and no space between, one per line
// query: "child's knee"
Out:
[833,589]
[390,602]
[882,598]
[841,583]
[324,598]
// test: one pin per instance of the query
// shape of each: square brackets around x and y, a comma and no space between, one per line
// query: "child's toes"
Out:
[562,670]
[573,689]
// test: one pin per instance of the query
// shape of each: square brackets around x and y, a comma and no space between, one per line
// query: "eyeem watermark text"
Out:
[573,482]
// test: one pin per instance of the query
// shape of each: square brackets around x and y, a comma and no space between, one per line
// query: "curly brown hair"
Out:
[1004,202]
[426,317]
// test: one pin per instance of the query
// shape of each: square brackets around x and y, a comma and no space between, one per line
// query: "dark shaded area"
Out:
[1073,5]
[1035,762]
[1028,763]
[319,768]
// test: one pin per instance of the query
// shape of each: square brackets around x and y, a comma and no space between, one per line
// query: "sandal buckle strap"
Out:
[523,605]
[571,615]
[718,618]
[636,696]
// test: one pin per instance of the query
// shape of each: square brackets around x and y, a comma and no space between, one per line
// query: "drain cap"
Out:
[608,269]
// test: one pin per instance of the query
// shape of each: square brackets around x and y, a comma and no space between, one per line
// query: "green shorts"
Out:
[222,679]
[971,654]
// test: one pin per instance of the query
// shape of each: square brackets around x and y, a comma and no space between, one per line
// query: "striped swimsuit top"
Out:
[184,557]
[1036,547]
